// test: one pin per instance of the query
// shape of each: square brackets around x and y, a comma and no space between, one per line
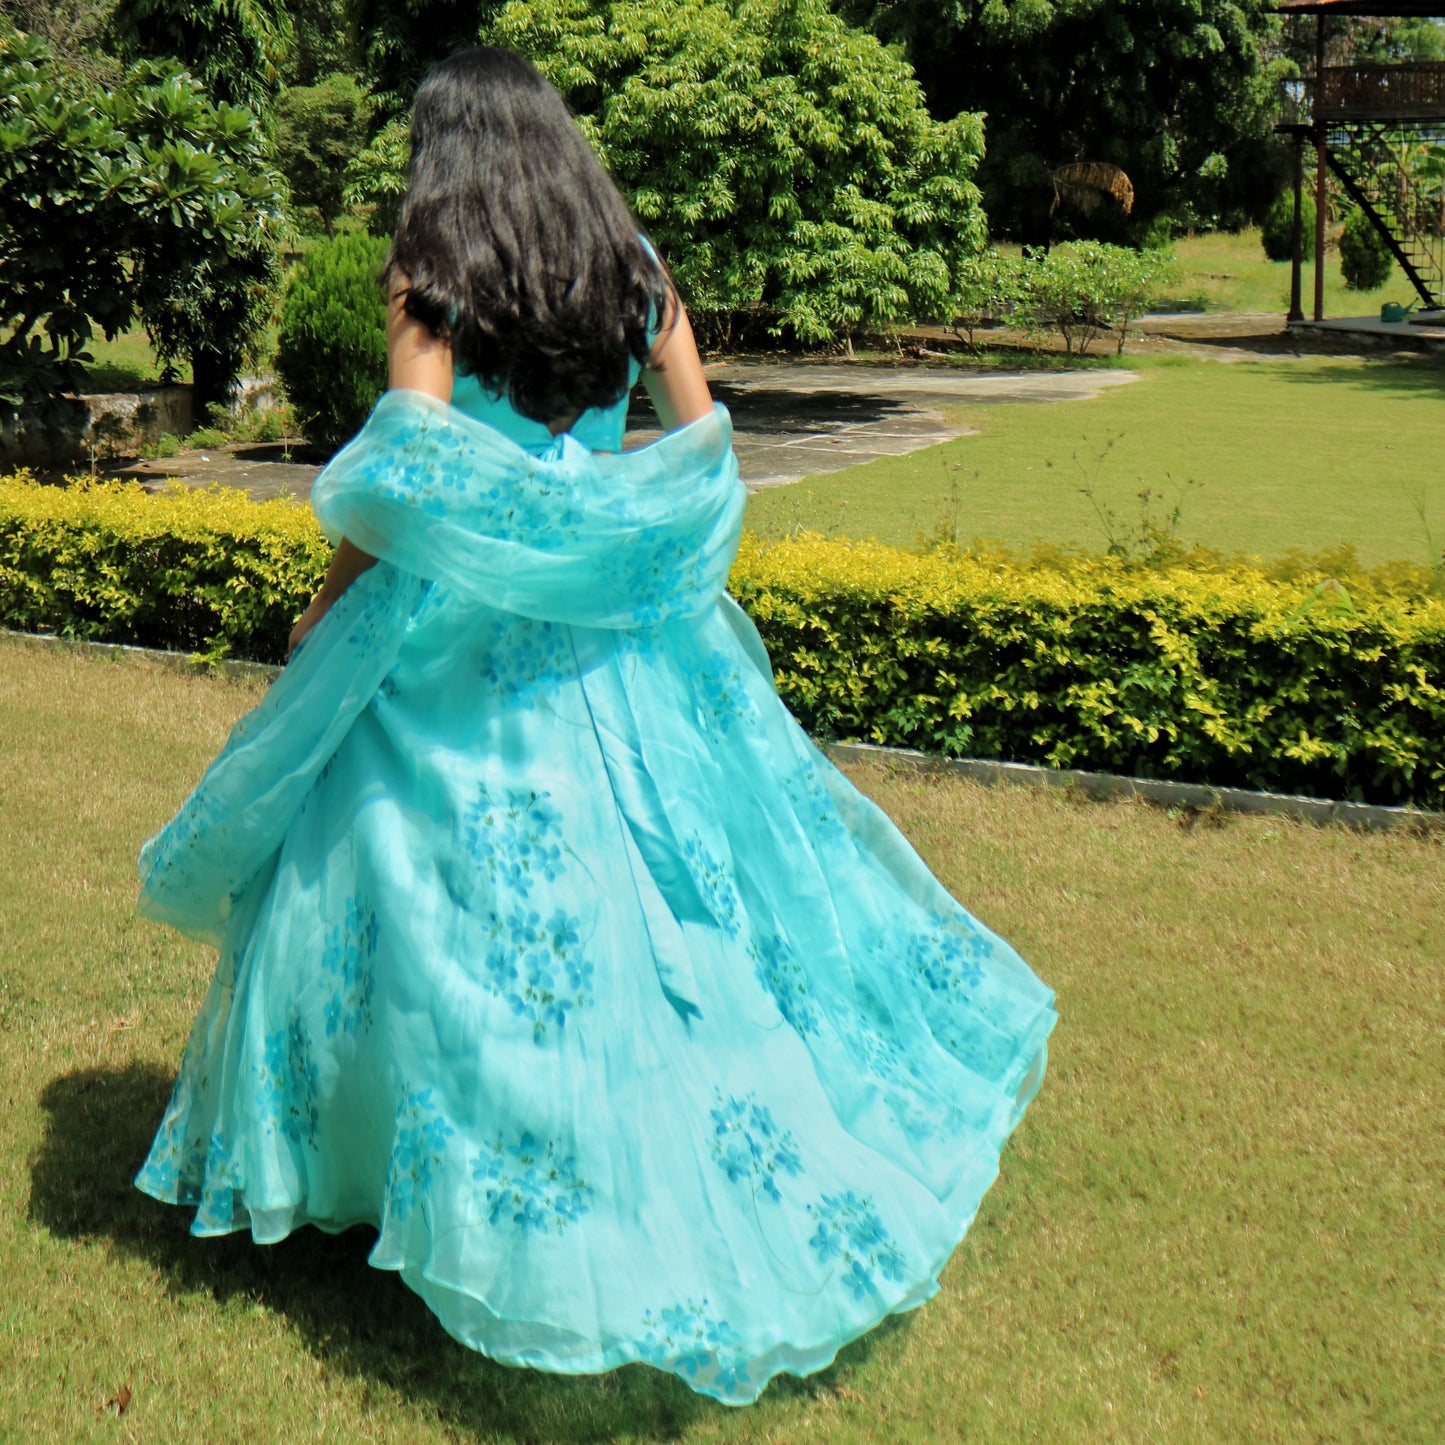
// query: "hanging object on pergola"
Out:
[1370,124]
[1086,185]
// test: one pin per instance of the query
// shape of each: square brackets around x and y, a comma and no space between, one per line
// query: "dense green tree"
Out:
[324,40]
[236,48]
[402,39]
[785,163]
[317,131]
[138,199]
[74,30]
[1178,94]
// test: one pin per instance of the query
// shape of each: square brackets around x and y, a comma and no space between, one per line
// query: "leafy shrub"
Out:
[1276,234]
[199,571]
[1219,675]
[987,288]
[785,164]
[1203,670]
[168,444]
[1081,288]
[331,351]
[206,436]
[138,198]
[1365,259]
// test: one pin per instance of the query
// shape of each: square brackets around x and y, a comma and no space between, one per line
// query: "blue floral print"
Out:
[687,1340]
[289,1084]
[516,838]
[714,883]
[814,805]
[218,1196]
[175,1166]
[527,659]
[850,1232]
[537,966]
[947,957]
[779,971]
[530,1185]
[417,1148]
[346,958]
[749,1148]
[722,697]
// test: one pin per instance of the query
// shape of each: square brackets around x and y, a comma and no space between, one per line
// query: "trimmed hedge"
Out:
[1192,670]
[1218,674]
[210,572]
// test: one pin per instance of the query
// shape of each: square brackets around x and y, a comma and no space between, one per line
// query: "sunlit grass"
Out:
[1283,452]
[1224,271]
[1221,1220]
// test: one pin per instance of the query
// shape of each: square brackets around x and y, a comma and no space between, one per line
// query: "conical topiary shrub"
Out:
[331,354]
[1277,233]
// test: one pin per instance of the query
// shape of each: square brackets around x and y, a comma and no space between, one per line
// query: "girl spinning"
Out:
[550,947]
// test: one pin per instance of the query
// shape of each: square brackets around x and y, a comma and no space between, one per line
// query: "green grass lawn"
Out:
[127,362]
[1223,271]
[1285,452]
[1220,1221]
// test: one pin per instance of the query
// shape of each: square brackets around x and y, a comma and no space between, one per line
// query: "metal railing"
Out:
[1382,92]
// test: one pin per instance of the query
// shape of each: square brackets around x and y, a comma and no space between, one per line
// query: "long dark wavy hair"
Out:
[516,244]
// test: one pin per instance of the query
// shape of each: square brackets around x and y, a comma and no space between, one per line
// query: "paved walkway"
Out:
[790,420]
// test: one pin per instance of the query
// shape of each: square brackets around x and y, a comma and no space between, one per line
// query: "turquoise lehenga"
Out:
[551,947]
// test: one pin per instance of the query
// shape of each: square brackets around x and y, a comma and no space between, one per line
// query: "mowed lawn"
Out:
[1221,1220]
[1283,453]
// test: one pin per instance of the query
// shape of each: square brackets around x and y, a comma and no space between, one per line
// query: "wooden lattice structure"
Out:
[1364,123]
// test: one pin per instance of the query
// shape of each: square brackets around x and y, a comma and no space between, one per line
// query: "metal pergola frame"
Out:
[1316,131]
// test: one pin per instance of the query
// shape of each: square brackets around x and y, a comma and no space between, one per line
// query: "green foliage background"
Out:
[1365,260]
[785,163]
[1204,673]
[1181,94]
[331,351]
[137,199]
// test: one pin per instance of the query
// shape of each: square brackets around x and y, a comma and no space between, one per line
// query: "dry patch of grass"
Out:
[1220,1221]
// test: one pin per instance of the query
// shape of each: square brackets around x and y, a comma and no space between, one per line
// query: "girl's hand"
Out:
[315,611]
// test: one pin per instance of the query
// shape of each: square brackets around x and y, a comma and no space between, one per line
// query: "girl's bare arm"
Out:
[417,361]
[673,375]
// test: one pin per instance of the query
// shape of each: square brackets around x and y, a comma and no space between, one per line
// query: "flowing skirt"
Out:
[564,959]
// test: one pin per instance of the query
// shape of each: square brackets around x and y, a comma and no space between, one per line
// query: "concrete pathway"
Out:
[790,420]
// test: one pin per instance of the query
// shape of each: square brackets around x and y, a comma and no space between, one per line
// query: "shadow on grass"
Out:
[1416,377]
[354,1318]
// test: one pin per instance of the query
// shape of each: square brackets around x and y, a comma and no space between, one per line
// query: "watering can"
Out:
[1393,313]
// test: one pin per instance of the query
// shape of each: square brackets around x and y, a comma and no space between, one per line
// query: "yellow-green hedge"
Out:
[200,571]
[1207,673]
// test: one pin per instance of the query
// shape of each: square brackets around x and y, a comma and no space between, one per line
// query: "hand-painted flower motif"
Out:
[714,882]
[814,805]
[175,1167]
[532,1186]
[218,1194]
[346,958]
[749,1148]
[688,1341]
[418,1145]
[538,967]
[515,839]
[288,1084]
[721,695]
[779,971]
[948,956]
[850,1232]
[528,659]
